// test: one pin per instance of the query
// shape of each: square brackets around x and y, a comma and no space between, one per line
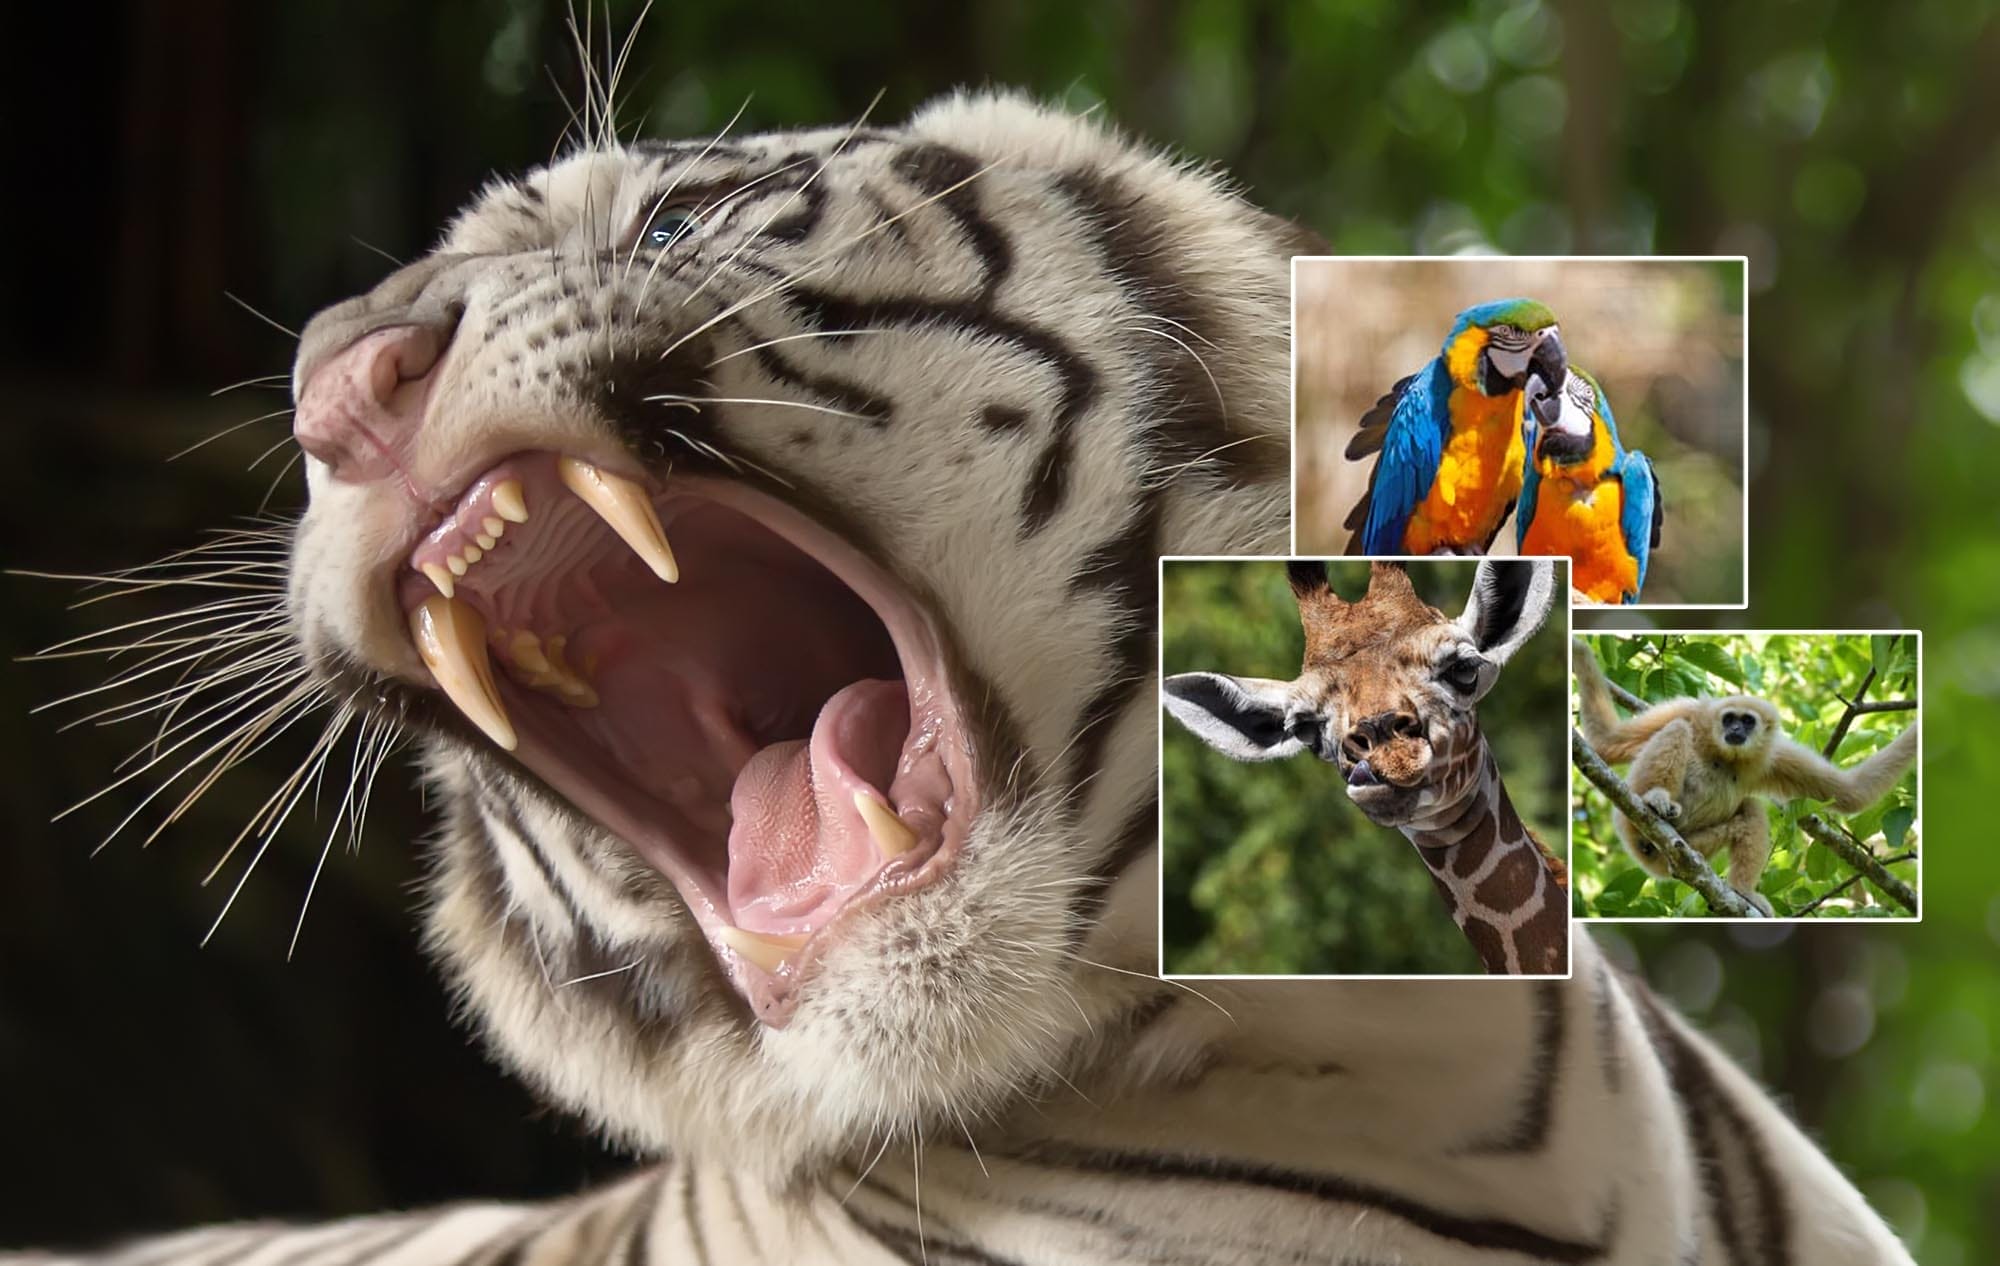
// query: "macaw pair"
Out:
[1500,417]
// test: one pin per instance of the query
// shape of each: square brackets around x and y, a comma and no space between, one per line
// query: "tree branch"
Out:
[1683,863]
[1845,884]
[1858,856]
[1626,699]
[1854,707]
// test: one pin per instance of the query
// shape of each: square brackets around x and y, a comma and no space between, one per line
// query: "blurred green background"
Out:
[165,151]
[1809,677]
[1268,868]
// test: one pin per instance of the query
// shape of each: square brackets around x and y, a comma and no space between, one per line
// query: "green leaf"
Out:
[1896,824]
[1880,646]
[1711,658]
[1624,888]
[1819,863]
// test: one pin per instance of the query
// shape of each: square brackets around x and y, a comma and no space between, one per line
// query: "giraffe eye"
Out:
[1305,728]
[1461,675]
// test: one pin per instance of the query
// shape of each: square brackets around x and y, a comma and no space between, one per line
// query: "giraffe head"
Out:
[1389,688]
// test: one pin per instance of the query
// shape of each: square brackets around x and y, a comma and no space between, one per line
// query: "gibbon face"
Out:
[1744,727]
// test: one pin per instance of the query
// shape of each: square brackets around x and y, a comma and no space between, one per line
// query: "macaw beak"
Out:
[1567,431]
[1548,357]
[1540,402]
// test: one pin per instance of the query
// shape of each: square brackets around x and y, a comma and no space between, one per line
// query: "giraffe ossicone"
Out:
[1388,693]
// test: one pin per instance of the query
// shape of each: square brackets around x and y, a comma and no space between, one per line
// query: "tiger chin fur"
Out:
[1077,362]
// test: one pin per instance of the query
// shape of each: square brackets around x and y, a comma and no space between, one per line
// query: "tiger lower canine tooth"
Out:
[767,952]
[893,836]
[625,506]
[451,639]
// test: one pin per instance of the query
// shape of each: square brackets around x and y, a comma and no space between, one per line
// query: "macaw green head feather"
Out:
[1522,314]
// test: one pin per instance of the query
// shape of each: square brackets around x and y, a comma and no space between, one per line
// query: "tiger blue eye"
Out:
[670,226]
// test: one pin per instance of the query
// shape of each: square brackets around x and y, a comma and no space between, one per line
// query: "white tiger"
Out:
[824,874]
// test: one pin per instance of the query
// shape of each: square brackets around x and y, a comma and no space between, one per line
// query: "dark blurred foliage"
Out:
[166,151]
[1268,868]
[1810,677]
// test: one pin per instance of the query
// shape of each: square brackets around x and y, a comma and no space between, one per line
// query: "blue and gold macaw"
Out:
[1587,496]
[1449,435]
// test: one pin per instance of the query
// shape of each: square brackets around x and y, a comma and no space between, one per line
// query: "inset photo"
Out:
[1746,775]
[1590,408]
[1364,773]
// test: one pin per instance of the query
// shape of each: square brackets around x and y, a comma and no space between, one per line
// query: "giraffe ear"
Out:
[1243,717]
[1510,600]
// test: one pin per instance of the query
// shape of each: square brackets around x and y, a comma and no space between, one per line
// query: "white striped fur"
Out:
[985,1072]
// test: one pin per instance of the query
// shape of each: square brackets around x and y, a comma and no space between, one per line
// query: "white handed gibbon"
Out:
[1701,764]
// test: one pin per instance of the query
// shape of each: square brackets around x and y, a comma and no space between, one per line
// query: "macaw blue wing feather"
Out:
[1408,427]
[1640,519]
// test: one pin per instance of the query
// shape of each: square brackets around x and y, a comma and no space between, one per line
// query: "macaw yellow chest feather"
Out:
[1583,518]
[1478,475]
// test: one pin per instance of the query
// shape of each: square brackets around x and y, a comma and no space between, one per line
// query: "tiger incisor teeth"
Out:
[440,577]
[510,502]
[767,952]
[625,506]
[451,640]
[893,836]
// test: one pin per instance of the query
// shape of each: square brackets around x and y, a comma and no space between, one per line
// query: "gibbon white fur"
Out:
[1701,764]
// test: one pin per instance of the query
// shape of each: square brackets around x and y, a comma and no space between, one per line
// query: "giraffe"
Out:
[1388,694]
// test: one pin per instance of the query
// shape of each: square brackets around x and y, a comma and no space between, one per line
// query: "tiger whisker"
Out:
[318,754]
[674,185]
[262,380]
[229,430]
[600,975]
[791,338]
[1221,404]
[714,212]
[282,329]
[788,404]
[839,148]
[828,258]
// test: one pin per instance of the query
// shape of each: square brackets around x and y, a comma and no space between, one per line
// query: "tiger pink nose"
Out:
[359,409]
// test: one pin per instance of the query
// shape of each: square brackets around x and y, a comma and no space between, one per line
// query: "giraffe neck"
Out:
[1506,894]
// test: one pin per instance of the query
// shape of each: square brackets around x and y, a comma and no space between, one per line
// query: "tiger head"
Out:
[760,534]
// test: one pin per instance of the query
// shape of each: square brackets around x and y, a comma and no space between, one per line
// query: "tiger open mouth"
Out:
[753,705]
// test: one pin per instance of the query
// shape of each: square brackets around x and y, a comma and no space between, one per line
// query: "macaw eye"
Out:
[1504,332]
[669,225]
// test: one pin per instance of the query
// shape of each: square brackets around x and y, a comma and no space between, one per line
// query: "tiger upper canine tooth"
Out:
[623,505]
[893,836]
[767,952]
[438,576]
[451,639]
[510,501]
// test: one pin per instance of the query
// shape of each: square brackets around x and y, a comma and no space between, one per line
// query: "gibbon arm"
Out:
[1798,771]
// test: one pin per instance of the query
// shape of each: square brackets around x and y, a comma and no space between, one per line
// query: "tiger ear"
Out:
[1241,717]
[1510,600]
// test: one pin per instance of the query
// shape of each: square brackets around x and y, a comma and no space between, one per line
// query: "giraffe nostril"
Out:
[1409,726]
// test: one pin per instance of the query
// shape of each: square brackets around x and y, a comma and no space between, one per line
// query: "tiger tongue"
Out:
[809,826]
